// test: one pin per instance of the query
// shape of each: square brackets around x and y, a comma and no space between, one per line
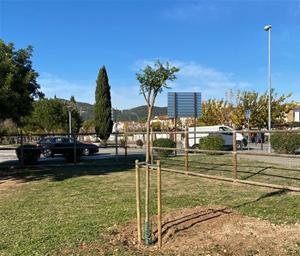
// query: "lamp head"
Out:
[267,28]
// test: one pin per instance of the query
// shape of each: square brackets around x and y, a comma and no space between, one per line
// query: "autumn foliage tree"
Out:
[258,105]
[215,112]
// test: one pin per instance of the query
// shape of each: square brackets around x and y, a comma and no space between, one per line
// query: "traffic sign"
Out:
[248,114]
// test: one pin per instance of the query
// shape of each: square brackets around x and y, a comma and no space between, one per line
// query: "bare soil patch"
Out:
[216,230]
[9,184]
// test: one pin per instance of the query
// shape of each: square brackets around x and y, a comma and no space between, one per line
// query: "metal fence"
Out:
[15,149]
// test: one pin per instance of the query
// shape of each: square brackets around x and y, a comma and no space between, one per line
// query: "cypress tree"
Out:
[103,120]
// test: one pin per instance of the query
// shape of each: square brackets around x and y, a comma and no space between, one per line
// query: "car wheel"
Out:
[86,152]
[47,152]
[239,145]
[195,146]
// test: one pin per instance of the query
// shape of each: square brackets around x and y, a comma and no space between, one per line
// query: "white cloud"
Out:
[194,77]
[123,95]
[52,85]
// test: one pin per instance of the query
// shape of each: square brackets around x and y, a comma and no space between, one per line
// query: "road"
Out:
[10,154]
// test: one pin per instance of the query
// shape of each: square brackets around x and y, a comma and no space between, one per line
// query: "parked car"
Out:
[223,130]
[60,144]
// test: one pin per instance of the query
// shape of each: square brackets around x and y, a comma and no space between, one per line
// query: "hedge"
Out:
[212,142]
[285,143]
[164,143]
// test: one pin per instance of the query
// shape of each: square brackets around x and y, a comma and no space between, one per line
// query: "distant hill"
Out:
[134,114]
[139,113]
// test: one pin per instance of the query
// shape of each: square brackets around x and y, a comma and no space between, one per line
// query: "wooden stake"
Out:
[159,237]
[151,146]
[147,192]
[138,202]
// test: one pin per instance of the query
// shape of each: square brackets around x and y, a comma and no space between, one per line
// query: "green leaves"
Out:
[18,85]
[216,112]
[154,79]
[51,115]
[103,121]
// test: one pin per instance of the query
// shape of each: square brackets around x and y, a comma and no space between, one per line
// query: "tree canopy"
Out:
[153,79]
[222,112]
[51,115]
[18,85]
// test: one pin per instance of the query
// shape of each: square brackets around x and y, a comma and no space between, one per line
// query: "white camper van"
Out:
[223,130]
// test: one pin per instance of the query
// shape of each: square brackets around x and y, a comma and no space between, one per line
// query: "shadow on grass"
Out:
[279,192]
[170,227]
[205,167]
[60,170]
[230,165]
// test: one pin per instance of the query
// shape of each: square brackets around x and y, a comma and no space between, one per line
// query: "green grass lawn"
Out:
[58,209]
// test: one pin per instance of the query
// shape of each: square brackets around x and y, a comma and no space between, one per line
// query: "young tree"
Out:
[18,85]
[152,81]
[103,120]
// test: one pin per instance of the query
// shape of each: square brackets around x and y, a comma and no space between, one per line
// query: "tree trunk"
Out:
[148,135]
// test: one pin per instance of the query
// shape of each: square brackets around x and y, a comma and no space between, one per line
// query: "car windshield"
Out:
[225,129]
[45,140]
[68,140]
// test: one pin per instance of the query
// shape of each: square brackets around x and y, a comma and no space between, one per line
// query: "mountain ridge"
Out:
[138,113]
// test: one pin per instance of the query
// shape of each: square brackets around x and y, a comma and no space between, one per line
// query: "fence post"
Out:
[175,140]
[186,151]
[125,149]
[22,148]
[159,210]
[261,141]
[234,155]
[74,149]
[116,146]
[138,202]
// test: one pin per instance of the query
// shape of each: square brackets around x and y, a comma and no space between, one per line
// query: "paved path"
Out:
[10,155]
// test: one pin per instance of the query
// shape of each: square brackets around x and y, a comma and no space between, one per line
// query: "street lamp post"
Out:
[268,29]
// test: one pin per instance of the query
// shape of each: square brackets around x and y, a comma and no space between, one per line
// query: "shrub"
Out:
[139,143]
[285,143]
[122,143]
[31,154]
[212,142]
[164,143]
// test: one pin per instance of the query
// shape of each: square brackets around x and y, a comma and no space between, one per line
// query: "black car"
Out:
[60,144]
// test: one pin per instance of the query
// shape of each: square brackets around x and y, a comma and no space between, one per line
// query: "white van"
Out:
[226,133]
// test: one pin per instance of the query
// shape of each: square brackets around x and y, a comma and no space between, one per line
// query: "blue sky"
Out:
[219,45]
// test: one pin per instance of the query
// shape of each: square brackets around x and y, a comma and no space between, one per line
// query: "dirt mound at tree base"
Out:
[216,230]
